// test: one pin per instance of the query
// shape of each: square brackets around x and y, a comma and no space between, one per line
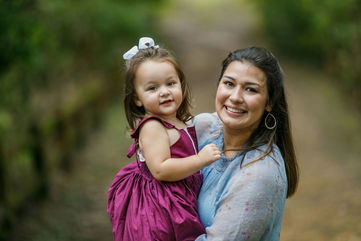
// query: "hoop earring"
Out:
[269,118]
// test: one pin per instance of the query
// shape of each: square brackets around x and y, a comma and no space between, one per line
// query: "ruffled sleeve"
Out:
[208,127]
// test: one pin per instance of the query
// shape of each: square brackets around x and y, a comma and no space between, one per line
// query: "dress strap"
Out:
[135,133]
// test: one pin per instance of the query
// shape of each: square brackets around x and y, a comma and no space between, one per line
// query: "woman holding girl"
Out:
[243,194]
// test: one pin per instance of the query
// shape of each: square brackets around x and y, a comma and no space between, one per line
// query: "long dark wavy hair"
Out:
[135,113]
[281,135]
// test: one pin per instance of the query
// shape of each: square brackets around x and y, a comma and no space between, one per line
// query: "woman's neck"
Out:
[234,140]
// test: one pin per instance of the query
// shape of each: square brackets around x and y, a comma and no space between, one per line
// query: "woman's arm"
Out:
[255,196]
[155,145]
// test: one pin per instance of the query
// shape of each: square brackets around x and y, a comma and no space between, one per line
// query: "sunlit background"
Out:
[63,134]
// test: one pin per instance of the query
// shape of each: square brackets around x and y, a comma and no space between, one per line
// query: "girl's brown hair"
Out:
[281,135]
[135,113]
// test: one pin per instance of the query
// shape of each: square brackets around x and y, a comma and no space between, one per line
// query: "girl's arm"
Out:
[155,145]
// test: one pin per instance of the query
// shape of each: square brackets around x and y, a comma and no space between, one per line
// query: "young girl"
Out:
[154,198]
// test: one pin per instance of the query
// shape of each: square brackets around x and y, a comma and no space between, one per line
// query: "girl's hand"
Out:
[209,154]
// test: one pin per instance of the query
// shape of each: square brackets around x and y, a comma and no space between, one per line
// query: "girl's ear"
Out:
[137,101]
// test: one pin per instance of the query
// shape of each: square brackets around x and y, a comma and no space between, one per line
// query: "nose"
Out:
[163,91]
[236,95]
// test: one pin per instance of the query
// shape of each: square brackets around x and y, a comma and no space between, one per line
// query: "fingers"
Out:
[216,154]
[213,146]
[210,153]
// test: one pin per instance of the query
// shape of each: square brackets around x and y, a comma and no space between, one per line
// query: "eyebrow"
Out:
[228,77]
[151,83]
[246,83]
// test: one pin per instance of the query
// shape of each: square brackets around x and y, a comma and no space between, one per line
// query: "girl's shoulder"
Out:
[151,126]
[149,120]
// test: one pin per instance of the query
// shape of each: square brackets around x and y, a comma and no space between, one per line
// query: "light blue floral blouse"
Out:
[240,203]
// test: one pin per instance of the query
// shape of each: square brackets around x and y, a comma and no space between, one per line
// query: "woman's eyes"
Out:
[250,89]
[230,84]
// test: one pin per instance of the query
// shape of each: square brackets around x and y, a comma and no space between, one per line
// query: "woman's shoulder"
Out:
[208,126]
[267,174]
[208,121]
[260,151]
[271,163]
[204,119]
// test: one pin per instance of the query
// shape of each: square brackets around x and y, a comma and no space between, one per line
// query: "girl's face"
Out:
[158,88]
[241,97]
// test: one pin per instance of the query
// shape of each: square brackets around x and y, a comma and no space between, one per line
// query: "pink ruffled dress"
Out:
[142,208]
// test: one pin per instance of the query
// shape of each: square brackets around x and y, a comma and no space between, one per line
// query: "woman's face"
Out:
[241,97]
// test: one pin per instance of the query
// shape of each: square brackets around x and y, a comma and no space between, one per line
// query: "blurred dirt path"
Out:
[327,130]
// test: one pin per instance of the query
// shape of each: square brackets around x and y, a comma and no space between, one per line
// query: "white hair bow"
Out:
[144,43]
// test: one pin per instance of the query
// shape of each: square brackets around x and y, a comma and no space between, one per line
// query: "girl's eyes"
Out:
[152,88]
[228,83]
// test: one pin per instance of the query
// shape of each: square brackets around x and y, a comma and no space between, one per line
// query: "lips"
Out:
[235,110]
[166,102]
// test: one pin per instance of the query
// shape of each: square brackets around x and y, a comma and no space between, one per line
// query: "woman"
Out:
[243,194]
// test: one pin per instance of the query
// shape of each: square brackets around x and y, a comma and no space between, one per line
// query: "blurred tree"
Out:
[57,65]
[325,33]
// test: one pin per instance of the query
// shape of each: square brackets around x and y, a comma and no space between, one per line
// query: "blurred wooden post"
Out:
[4,209]
[38,156]
[63,136]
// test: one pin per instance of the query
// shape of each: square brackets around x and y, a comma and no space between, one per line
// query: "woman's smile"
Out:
[235,110]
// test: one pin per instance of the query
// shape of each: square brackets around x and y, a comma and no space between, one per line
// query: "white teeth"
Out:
[234,110]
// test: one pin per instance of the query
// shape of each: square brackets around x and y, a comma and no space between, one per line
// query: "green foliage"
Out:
[43,38]
[283,30]
[325,32]
[47,43]
[56,74]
